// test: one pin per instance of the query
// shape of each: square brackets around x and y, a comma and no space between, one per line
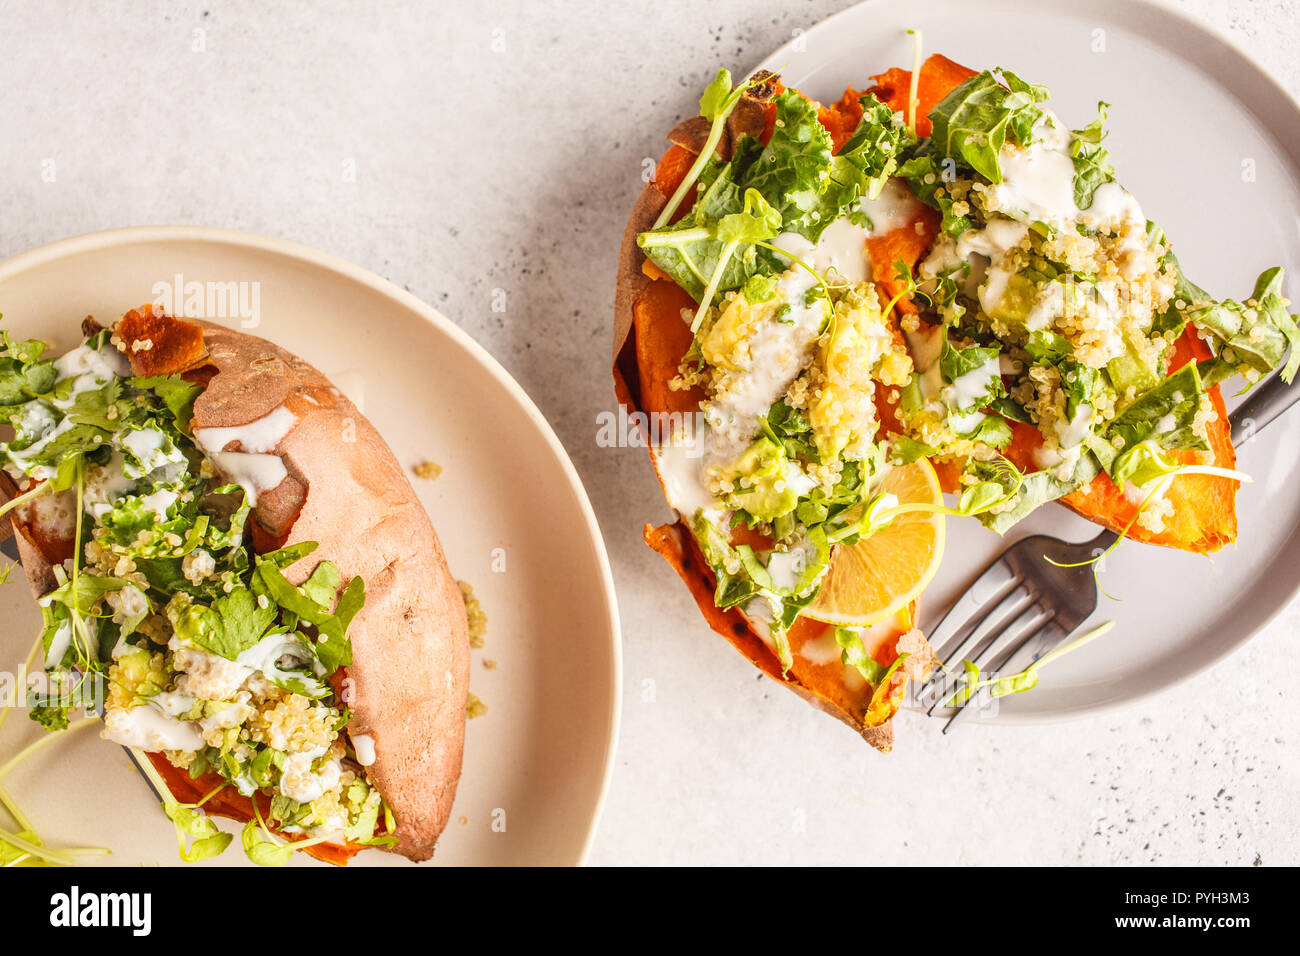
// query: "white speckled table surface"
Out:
[498,146]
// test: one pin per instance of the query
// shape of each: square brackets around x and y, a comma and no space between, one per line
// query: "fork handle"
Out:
[1102,542]
[1265,403]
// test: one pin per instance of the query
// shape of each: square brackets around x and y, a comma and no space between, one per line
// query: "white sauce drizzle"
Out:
[254,473]
[364,747]
[257,437]
[149,729]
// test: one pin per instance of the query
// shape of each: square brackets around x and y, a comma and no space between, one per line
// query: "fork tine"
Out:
[1027,618]
[1034,646]
[1045,632]
[997,578]
[973,630]
[1027,623]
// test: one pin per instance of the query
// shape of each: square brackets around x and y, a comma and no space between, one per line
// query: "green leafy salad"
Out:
[1055,303]
[790,341]
[209,655]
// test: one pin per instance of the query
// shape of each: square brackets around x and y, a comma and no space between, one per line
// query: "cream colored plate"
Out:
[509,508]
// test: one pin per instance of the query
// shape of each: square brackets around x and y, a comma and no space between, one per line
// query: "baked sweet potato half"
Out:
[651,343]
[256,586]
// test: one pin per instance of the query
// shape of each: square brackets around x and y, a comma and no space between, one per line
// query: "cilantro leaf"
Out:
[234,623]
[177,395]
[332,647]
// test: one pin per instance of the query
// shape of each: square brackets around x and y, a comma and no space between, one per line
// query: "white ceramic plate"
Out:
[1210,145]
[509,508]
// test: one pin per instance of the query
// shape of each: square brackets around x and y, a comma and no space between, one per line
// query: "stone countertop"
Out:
[344,128]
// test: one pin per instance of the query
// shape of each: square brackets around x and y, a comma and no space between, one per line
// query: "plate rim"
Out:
[1125,15]
[97,240]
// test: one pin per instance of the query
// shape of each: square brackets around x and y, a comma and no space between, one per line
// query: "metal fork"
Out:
[1023,605]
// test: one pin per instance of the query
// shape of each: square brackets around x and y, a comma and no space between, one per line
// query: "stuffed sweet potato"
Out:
[256,585]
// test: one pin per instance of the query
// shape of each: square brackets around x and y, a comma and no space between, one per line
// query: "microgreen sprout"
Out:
[261,846]
[913,98]
[1026,679]
[716,105]
[191,823]
[883,509]
[24,847]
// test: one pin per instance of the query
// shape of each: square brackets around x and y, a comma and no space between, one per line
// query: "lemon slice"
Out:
[875,578]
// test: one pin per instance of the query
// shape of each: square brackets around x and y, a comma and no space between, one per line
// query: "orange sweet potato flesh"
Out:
[234,805]
[1204,517]
[939,77]
[158,344]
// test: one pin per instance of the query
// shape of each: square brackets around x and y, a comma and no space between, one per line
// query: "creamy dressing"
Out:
[842,247]
[1038,182]
[1037,186]
[1049,303]
[252,468]
[44,425]
[90,369]
[966,424]
[299,782]
[787,567]
[1112,207]
[1116,211]
[173,703]
[148,729]
[257,437]
[60,641]
[926,345]
[843,244]
[973,385]
[127,602]
[823,649]
[255,473]
[993,241]
[758,614]
[105,485]
[159,501]
[893,208]
[1045,457]
[1072,433]
[364,747]
[151,449]
[986,251]
[267,655]
[680,463]
[779,351]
